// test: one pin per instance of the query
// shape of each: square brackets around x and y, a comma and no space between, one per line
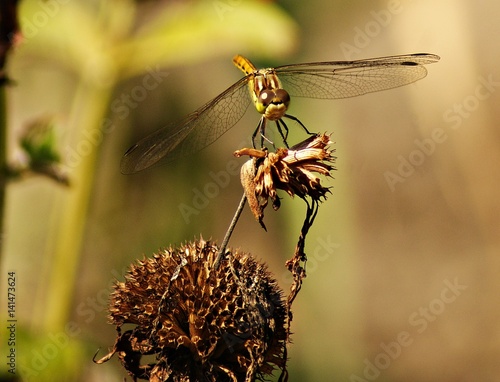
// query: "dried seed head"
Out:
[292,170]
[201,324]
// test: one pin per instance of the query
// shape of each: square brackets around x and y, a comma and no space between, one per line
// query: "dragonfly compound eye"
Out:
[283,96]
[266,97]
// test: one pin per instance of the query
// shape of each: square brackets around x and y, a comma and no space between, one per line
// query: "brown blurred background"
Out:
[403,270]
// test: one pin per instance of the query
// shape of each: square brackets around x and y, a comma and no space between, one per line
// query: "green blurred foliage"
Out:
[40,144]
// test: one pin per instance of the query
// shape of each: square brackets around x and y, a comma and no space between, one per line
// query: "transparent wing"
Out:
[343,79]
[195,132]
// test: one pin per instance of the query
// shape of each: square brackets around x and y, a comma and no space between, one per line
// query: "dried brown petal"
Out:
[292,170]
[247,177]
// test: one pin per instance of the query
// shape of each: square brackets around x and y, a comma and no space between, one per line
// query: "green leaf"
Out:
[186,33]
[40,145]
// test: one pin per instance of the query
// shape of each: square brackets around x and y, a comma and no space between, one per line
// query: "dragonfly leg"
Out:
[280,123]
[298,121]
[261,127]
[264,138]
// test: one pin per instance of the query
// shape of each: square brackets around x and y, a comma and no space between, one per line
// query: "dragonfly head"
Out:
[273,103]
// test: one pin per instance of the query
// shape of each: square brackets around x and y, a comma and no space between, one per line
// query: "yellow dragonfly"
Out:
[270,90]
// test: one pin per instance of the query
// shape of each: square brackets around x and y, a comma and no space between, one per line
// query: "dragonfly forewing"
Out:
[195,132]
[344,79]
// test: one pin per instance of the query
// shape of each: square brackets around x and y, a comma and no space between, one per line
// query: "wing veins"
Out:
[173,141]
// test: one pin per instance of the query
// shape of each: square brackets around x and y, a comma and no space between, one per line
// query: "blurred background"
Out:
[403,270]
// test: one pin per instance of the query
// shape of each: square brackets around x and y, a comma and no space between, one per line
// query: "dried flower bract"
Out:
[292,170]
[201,324]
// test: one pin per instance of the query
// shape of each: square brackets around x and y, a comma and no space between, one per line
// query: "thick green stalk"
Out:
[3,162]
[88,113]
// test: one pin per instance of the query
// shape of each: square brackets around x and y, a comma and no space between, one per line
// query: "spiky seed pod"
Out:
[200,323]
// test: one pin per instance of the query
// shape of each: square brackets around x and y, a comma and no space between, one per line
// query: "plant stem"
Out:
[3,162]
[88,112]
[229,232]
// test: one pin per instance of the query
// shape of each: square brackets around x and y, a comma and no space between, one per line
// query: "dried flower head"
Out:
[201,323]
[292,170]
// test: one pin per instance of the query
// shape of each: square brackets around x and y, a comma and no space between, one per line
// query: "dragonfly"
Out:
[270,90]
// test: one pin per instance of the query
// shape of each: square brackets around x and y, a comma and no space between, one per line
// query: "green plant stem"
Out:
[3,163]
[88,113]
